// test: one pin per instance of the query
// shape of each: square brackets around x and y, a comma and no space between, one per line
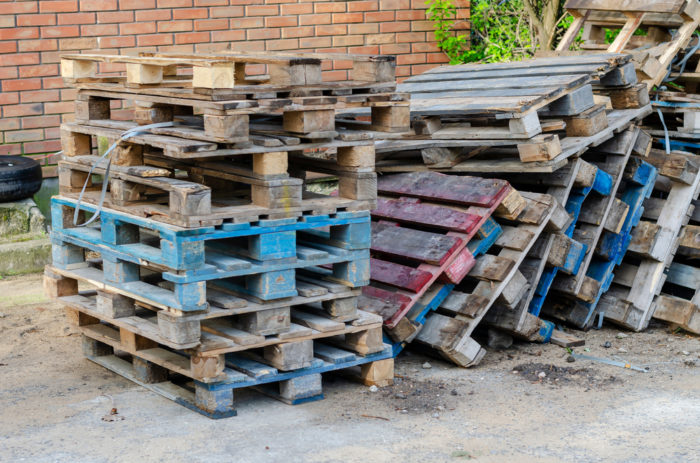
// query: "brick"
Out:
[99,30]
[9,47]
[378,39]
[48,146]
[296,9]
[24,135]
[53,82]
[314,19]
[116,42]
[260,10]
[348,40]
[404,26]
[410,37]
[284,44]
[154,40]
[153,15]
[52,132]
[251,45]
[68,93]
[192,37]
[247,23]
[191,13]
[421,68]
[77,43]
[39,96]
[137,28]
[421,5]
[395,48]
[36,20]
[34,109]
[9,72]
[228,36]
[98,5]
[226,12]
[136,4]
[363,6]
[367,28]
[21,84]
[379,16]
[315,42]
[347,18]
[423,47]
[9,98]
[7,20]
[19,33]
[9,123]
[335,29]
[20,59]
[263,34]
[11,149]
[175,26]
[211,24]
[411,58]
[174,3]
[366,50]
[60,31]
[60,107]
[330,7]
[436,58]
[335,75]
[410,15]
[38,71]
[20,7]
[292,32]
[422,26]
[395,5]
[76,18]
[115,17]
[210,2]
[281,21]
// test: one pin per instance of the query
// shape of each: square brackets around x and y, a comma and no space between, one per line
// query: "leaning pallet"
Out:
[495,277]
[634,295]
[669,26]
[414,242]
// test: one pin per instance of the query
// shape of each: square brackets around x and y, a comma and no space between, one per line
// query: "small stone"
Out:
[436,415]
[427,366]
[622,350]
[607,344]
[454,392]
[373,389]
[400,396]
[541,375]
[690,363]
[2,315]
[622,336]
[685,352]
[570,359]
[440,408]
[404,411]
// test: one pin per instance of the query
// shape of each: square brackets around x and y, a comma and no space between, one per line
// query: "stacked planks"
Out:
[210,261]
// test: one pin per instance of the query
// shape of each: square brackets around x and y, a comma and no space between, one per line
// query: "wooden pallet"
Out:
[659,46]
[289,372]
[497,156]
[408,259]
[630,302]
[495,277]
[217,191]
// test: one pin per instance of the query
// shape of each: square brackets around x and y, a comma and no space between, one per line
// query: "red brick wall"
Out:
[33,35]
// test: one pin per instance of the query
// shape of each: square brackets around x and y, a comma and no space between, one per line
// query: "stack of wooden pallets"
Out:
[210,265]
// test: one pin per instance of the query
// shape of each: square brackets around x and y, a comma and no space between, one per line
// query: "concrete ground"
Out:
[52,402]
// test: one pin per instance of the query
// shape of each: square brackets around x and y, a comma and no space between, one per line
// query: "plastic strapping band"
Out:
[667,140]
[682,62]
[107,154]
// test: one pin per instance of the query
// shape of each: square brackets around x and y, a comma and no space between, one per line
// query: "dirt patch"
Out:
[551,374]
[421,396]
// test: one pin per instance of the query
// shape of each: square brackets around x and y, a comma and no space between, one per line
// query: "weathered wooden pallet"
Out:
[681,118]
[289,372]
[495,277]
[490,156]
[609,250]
[655,241]
[658,18]
[414,242]
[212,192]
[679,301]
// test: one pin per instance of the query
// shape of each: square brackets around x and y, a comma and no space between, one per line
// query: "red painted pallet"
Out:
[420,231]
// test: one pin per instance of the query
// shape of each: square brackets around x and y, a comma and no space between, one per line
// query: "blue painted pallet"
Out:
[216,399]
[486,237]
[612,247]
[602,185]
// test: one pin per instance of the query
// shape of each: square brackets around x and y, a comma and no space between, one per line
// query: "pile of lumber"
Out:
[206,263]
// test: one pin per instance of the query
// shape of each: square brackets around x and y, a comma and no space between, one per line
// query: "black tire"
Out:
[20,178]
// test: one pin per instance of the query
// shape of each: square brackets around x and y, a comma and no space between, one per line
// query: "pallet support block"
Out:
[290,355]
[56,286]
[215,400]
[273,163]
[178,329]
[213,77]
[76,69]
[75,144]
[148,372]
[114,305]
[308,121]
[379,373]
[94,348]
[265,322]
[227,127]
[301,388]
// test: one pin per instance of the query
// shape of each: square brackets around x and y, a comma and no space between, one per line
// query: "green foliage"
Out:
[443,13]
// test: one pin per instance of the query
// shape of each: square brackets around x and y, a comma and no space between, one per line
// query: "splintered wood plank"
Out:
[467,191]
[416,245]
[492,268]
[399,276]
[659,6]
[563,339]
[382,302]
[414,212]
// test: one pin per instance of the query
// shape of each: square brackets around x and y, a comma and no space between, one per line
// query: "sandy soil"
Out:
[52,402]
